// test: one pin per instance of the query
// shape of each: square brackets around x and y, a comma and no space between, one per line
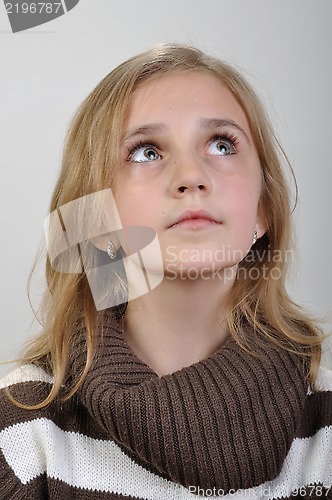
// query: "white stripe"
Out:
[308,462]
[26,373]
[324,379]
[32,448]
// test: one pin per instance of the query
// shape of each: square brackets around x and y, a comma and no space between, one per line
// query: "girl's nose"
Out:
[200,187]
[189,176]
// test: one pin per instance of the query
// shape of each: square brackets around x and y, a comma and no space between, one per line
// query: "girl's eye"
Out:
[222,146]
[143,153]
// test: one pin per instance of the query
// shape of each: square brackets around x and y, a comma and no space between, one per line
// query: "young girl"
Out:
[172,363]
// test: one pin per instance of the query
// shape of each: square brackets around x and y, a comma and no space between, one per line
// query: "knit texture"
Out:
[233,422]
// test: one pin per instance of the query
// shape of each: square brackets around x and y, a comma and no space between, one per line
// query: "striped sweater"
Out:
[230,426]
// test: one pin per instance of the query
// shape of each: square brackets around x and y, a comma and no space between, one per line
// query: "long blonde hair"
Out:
[90,162]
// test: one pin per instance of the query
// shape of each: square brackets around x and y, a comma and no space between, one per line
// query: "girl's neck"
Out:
[178,323]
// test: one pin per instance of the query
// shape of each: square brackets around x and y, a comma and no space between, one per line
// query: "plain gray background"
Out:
[283,47]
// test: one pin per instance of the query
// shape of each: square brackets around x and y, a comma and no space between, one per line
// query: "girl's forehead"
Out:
[184,94]
[176,85]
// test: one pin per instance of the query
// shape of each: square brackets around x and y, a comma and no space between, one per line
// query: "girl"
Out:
[172,363]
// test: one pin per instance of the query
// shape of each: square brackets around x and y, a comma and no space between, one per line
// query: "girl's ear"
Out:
[101,242]
[108,221]
[261,223]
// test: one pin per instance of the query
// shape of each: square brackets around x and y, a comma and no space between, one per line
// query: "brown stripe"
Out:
[317,414]
[69,416]
[58,490]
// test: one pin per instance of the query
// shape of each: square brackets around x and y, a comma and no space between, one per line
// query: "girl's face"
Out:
[191,172]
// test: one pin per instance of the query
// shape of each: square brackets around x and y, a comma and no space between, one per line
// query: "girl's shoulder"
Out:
[25,374]
[30,385]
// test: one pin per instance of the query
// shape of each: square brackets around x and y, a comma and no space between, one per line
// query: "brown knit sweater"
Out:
[232,422]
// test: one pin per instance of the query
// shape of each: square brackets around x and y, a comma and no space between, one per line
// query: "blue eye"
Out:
[143,153]
[222,146]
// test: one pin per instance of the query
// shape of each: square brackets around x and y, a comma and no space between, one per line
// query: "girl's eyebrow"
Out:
[207,123]
[149,129]
[220,123]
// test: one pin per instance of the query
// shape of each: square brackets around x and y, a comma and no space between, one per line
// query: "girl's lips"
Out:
[194,219]
[194,223]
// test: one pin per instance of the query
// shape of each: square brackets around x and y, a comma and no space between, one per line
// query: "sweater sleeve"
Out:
[226,422]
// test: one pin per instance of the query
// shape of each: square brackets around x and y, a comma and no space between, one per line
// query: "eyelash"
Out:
[225,136]
[132,148]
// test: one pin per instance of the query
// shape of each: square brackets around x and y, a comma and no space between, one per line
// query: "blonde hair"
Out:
[90,162]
